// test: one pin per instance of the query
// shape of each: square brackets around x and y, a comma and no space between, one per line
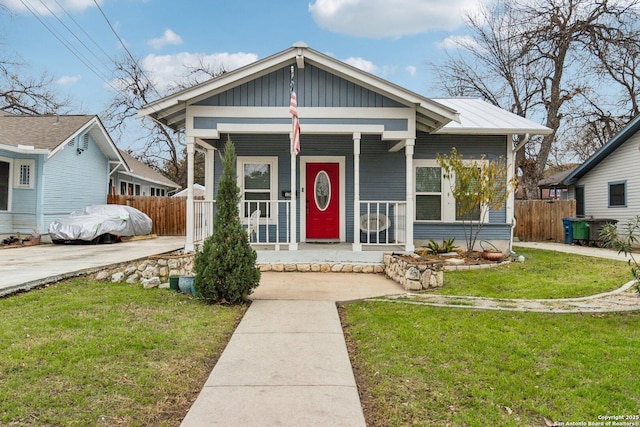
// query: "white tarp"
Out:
[94,221]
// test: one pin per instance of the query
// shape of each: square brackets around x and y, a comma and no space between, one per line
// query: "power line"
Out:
[126,49]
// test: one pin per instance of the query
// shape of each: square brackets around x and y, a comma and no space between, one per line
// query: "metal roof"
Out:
[478,117]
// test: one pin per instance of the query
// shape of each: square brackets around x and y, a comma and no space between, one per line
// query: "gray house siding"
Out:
[471,147]
[73,180]
[314,88]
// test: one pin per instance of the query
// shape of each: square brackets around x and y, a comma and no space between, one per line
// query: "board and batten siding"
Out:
[73,181]
[620,165]
[314,88]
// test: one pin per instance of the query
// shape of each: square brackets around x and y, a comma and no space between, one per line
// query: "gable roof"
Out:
[171,110]
[47,134]
[140,170]
[618,139]
[478,117]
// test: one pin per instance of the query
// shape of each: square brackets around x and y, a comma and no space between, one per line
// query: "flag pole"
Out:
[293,109]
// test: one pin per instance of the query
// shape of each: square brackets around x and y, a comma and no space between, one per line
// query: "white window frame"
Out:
[428,164]
[17,173]
[448,202]
[272,161]
[9,186]
[153,191]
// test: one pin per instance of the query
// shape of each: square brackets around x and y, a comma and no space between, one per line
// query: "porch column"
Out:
[191,148]
[357,246]
[510,205]
[409,247]
[293,244]
[209,170]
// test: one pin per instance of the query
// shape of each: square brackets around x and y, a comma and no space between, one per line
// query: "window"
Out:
[428,193]
[5,187]
[433,198]
[618,194]
[24,171]
[258,184]
[158,192]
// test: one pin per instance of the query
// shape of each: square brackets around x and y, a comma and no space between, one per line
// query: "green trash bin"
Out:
[580,229]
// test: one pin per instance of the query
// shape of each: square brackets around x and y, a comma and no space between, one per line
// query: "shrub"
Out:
[226,268]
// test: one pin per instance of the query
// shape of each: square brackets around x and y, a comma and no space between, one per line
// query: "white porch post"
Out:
[209,170]
[293,244]
[189,246]
[409,247]
[511,162]
[357,246]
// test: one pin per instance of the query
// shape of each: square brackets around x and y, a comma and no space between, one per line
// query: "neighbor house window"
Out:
[618,194]
[5,184]
[24,170]
[258,184]
[158,192]
[428,181]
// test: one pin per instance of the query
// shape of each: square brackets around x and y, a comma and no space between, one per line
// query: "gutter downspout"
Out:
[512,197]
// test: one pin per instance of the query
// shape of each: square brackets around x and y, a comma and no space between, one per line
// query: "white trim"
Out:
[448,202]
[303,182]
[9,182]
[272,161]
[17,169]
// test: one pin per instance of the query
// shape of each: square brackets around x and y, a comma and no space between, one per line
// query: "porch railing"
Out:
[383,222]
[266,221]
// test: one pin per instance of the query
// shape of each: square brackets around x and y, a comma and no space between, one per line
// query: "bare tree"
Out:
[162,148]
[534,59]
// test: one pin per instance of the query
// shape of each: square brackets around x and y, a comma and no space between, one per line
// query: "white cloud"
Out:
[362,64]
[457,42]
[168,38]
[169,69]
[68,80]
[411,70]
[46,7]
[389,18]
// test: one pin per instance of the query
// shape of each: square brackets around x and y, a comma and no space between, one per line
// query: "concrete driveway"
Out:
[30,266]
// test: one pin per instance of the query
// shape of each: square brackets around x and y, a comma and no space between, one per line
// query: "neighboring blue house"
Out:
[607,184]
[51,165]
[366,173]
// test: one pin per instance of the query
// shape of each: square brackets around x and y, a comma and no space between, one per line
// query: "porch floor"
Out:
[318,253]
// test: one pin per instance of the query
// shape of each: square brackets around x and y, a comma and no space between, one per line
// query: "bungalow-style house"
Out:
[606,185]
[138,179]
[366,173]
[51,165]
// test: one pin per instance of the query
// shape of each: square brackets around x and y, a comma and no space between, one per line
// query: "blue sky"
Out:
[393,39]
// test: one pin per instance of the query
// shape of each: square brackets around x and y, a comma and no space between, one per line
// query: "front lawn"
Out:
[431,366]
[90,353]
[544,274]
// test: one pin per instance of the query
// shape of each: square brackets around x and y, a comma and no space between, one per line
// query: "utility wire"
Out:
[66,44]
[126,49]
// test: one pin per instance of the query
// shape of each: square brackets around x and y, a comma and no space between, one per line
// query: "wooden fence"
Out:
[167,213]
[541,220]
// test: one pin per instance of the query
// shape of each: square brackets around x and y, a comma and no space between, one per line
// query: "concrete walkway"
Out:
[577,249]
[287,362]
[31,266]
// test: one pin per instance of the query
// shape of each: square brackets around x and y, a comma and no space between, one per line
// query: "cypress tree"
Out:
[226,268]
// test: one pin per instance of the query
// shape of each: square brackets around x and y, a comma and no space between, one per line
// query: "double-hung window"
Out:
[428,179]
[618,194]
[258,178]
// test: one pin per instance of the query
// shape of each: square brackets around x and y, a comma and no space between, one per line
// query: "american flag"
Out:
[293,109]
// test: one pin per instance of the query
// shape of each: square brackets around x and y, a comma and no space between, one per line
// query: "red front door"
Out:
[323,201]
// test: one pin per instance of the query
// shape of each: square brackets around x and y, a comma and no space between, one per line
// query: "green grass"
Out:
[430,366]
[88,353]
[544,274]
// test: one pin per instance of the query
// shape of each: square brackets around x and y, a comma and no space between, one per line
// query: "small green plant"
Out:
[624,242]
[434,248]
[226,268]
